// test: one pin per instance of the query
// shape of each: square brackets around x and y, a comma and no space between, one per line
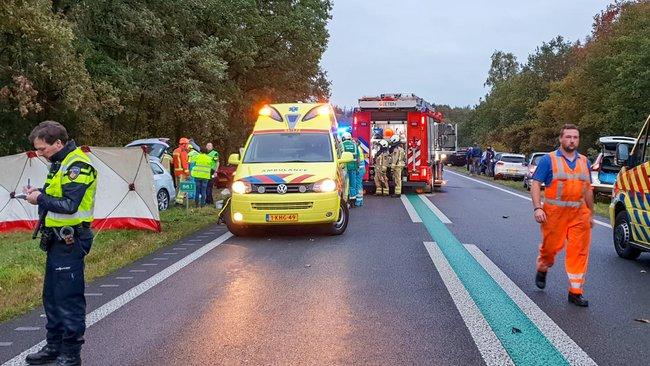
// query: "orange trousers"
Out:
[571,226]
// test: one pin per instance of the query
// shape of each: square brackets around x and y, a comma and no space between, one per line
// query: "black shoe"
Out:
[578,300]
[540,279]
[47,354]
[68,360]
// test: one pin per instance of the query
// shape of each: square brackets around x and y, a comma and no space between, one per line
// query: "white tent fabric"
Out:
[125,197]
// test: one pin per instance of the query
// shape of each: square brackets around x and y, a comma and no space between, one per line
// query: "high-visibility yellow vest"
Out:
[202,166]
[54,188]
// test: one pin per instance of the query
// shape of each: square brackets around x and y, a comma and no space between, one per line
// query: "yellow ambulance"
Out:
[629,211]
[291,171]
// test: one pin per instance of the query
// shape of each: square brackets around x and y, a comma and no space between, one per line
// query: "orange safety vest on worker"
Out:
[181,164]
[568,220]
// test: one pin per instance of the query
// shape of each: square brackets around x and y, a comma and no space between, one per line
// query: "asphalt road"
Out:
[388,291]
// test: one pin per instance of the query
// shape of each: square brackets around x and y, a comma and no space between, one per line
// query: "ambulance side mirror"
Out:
[233,159]
[346,157]
[622,155]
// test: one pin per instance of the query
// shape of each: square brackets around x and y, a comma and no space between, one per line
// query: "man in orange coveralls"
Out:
[567,214]
[181,166]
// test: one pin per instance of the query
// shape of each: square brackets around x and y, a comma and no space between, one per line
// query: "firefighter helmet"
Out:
[394,139]
[346,136]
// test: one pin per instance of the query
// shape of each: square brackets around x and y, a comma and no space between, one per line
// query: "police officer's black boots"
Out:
[46,355]
[578,300]
[540,279]
[68,360]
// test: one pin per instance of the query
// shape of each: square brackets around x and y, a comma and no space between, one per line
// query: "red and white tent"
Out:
[125,197]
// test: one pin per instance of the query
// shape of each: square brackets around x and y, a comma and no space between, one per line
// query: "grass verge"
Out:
[22,262]
[601,206]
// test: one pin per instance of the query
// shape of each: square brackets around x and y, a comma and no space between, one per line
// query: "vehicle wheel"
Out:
[235,229]
[338,227]
[163,199]
[622,236]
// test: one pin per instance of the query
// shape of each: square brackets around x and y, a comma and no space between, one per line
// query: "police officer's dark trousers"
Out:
[63,291]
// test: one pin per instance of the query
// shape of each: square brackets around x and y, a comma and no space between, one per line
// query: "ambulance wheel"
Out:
[235,229]
[338,227]
[622,237]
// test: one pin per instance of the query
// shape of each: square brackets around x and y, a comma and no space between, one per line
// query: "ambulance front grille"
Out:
[276,206]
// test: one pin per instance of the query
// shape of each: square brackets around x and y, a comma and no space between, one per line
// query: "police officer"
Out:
[351,167]
[382,162]
[397,158]
[65,206]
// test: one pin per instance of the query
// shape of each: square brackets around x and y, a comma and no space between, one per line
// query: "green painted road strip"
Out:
[524,342]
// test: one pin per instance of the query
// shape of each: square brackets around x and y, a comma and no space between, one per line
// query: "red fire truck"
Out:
[426,139]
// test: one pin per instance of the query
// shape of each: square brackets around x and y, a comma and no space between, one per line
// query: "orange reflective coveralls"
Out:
[568,220]
[181,164]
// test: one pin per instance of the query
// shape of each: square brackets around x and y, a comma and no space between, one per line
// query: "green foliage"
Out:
[603,86]
[113,71]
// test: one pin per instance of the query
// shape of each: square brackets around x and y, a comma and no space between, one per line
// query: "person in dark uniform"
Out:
[65,206]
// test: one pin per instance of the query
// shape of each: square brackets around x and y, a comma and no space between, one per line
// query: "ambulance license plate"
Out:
[282,218]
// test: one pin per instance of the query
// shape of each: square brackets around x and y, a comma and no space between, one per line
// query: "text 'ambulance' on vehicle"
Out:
[292,171]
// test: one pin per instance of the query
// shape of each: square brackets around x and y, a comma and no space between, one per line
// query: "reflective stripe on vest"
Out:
[54,188]
[567,182]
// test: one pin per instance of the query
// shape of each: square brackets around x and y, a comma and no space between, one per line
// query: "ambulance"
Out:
[629,211]
[291,171]
[428,141]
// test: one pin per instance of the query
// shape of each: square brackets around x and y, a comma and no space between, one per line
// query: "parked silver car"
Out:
[532,166]
[163,184]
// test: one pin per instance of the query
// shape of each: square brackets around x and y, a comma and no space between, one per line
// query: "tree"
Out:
[504,66]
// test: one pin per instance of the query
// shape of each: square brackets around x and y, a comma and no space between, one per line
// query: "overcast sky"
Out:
[439,50]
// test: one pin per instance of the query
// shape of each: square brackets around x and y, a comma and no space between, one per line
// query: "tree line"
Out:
[114,71]
[601,84]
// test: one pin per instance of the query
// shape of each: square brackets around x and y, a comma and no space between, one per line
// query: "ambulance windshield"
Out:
[289,148]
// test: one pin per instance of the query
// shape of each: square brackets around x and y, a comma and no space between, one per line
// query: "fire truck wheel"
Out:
[338,227]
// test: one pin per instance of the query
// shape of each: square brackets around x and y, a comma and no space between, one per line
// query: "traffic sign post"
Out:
[187,187]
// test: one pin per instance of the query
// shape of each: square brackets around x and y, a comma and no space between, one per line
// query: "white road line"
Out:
[486,341]
[410,209]
[124,278]
[27,329]
[597,222]
[149,264]
[93,294]
[133,293]
[110,285]
[436,210]
[138,270]
[6,344]
[564,344]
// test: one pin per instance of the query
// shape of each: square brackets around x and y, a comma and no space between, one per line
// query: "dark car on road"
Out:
[459,157]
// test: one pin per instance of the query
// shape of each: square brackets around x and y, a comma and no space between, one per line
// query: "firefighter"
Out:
[181,166]
[65,204]
[350,146]
[382,162]
[566,217]
[360,173]
[397,158]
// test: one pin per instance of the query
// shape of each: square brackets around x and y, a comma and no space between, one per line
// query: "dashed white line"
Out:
[27,329]
[170,253]
[410,209]
[131,294]
[436,210]
[138,270]
[161,259]
[597,222]
[109,285]
[486,341]
[179,248]
[564,344]
[149,264]
[93,294]
[124,278]
[6,344]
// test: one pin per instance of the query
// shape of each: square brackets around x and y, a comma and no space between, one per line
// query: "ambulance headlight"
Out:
[327,185]
[240,187]
[443,156]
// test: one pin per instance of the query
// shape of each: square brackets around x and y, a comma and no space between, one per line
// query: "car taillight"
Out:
[501,163]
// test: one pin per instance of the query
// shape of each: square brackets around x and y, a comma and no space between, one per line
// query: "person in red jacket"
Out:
[181,166]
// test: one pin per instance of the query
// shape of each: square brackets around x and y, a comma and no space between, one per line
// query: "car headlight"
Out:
[327,185]
[240,187]
[443,156]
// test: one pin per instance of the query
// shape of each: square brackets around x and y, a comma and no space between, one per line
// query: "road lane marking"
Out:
[138,270]
[569,349]
[486,341]
[597,222]
[409,208]
[87,294]
[27,329]
[109,285]
[113,305]
[124,278]
[441,216]
[527,346]
[6,344]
